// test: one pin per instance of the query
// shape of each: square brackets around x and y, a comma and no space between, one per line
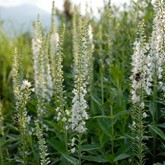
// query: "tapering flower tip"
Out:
[53,28]
[90,33]
[15,74]
[53,5]
[25,84]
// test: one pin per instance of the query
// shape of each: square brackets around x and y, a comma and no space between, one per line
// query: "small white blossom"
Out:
[133,124]
[67,112]
[55,39]
[64,119]
[38,41]
[144,115]
[73,141]
[73,150]
[25,84]
[142,105]
[90,33]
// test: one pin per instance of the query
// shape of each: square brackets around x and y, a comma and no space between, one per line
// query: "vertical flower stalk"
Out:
[156,64]
[42,68]
[75,40]
[36,46]
[53,42]
[149,59]
[79,104]
[59,92]
[79,114]
[44,160]
[37,49]
[58,82]
[89,56]
[46,84]
[16,76]
[138,112]
[156,56]
[43,83]
[22,94]
[101,66]
[62,113]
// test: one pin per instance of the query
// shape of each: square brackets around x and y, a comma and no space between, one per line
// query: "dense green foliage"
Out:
[109,138]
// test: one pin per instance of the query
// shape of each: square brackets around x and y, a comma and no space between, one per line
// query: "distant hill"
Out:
[19,19]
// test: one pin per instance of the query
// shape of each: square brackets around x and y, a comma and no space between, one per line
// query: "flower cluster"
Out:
[138,89]
[21,102]
[79,114]
[62,114]
[42,68]
[148,76]
[73,149]
[22,94]
[25,84]
[36,46]
[53,43]
[156,55]
[43,81]
[149,59]
[79,107]
[75,36]
[58,82]
[90,33]
[138,72]
[15,74]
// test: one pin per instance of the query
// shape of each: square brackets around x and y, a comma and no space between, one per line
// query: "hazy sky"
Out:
[46,4]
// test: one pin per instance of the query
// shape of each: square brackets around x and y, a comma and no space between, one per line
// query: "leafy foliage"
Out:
[108,138]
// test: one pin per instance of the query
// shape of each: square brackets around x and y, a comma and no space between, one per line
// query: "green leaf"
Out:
[89,147]
[162,125]
[124,149]
[58,145]
[53,124]
[96,100]
[97,158]
[121,157]
[122,113]
[105,126]
[110,158]
[70,159]
[158,131]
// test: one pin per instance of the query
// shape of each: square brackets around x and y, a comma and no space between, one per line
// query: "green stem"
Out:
[24,147]
[66,139]
[112,130]
[112,127]
[102,87]
[140,138]
[79,148]
[155,113]
[1,153]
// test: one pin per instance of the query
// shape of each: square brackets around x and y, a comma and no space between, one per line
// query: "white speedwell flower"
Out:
[79,114]
[25,84]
